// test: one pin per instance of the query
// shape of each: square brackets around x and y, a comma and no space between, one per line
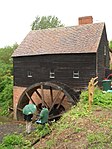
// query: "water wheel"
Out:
[57,97]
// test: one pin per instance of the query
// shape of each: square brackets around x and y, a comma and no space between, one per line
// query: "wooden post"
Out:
[91,87]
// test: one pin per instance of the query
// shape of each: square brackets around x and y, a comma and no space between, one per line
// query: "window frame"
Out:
[51,74]
[29,74]
[75,74]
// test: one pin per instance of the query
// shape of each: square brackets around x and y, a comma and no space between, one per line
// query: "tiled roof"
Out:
[75,39]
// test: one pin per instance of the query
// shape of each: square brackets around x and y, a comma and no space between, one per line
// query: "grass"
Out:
[79,127]
[99,141]
[93,127]
[14,141]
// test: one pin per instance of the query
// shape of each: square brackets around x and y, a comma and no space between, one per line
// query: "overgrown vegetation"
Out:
[100,98]
[110,46]
[79,127]
[81,124]
[42,130]
[6,78]
[14,141]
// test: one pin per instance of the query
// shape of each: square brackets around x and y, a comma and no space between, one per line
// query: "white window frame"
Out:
[52,75]
[29,74]
[76,74]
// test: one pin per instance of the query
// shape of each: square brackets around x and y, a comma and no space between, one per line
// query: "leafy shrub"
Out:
[6,79]
[100,98]
[6,91]
[6,52]
[14,141]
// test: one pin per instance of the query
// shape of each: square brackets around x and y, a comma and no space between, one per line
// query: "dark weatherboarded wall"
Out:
[39,67]
[102,57]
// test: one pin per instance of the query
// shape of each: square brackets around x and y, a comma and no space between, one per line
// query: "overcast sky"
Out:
[16,16]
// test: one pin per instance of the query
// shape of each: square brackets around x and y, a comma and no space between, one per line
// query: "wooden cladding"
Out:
[73,69]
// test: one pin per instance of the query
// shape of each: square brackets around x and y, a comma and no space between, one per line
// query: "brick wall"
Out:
[85,20]
[17,91]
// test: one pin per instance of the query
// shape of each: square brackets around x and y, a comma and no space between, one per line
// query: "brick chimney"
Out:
[85,20]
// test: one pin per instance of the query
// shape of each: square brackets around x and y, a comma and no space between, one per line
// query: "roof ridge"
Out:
[63,27]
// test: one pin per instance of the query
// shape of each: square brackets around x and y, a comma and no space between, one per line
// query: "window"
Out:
[76,74]
[105,50]
[52,74]
[29,74]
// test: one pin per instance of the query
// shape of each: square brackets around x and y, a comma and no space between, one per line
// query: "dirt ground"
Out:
[10,127]
[99,122]
[69,139]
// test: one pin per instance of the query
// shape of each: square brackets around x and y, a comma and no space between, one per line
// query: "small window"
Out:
[76,74]
[105,50]
[52,74]
[29,74]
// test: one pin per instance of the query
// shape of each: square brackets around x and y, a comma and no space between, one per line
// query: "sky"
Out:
[16,16]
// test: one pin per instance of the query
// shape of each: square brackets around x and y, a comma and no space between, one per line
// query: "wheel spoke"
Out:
[46,104]
[41,99]
[56,116]
[61,101]
[38,94]
[55,99]
[42,94]
[30,98]
[20,109]
[51,94]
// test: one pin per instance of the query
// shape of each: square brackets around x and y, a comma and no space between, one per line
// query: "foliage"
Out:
[110,45]
[83,124]
[43,130]
[6,52]
[77,123]
[100,98]
[50,143]
[45,22]
[6,96]
[110,66]
[99,140]
[14,141]
[6,79]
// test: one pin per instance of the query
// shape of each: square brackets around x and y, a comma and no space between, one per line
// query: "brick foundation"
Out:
[17,91]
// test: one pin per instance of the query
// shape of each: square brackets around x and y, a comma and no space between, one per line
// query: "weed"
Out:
[43,130]
[78,129]
[98,141]
[14,141]
[50,143]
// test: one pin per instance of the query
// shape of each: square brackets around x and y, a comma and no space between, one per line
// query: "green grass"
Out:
[99,141]
[14,141]
[80,122]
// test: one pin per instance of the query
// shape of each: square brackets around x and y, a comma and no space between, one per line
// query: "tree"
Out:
[6,52]
[110,45]
[46,22]
[6,78]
